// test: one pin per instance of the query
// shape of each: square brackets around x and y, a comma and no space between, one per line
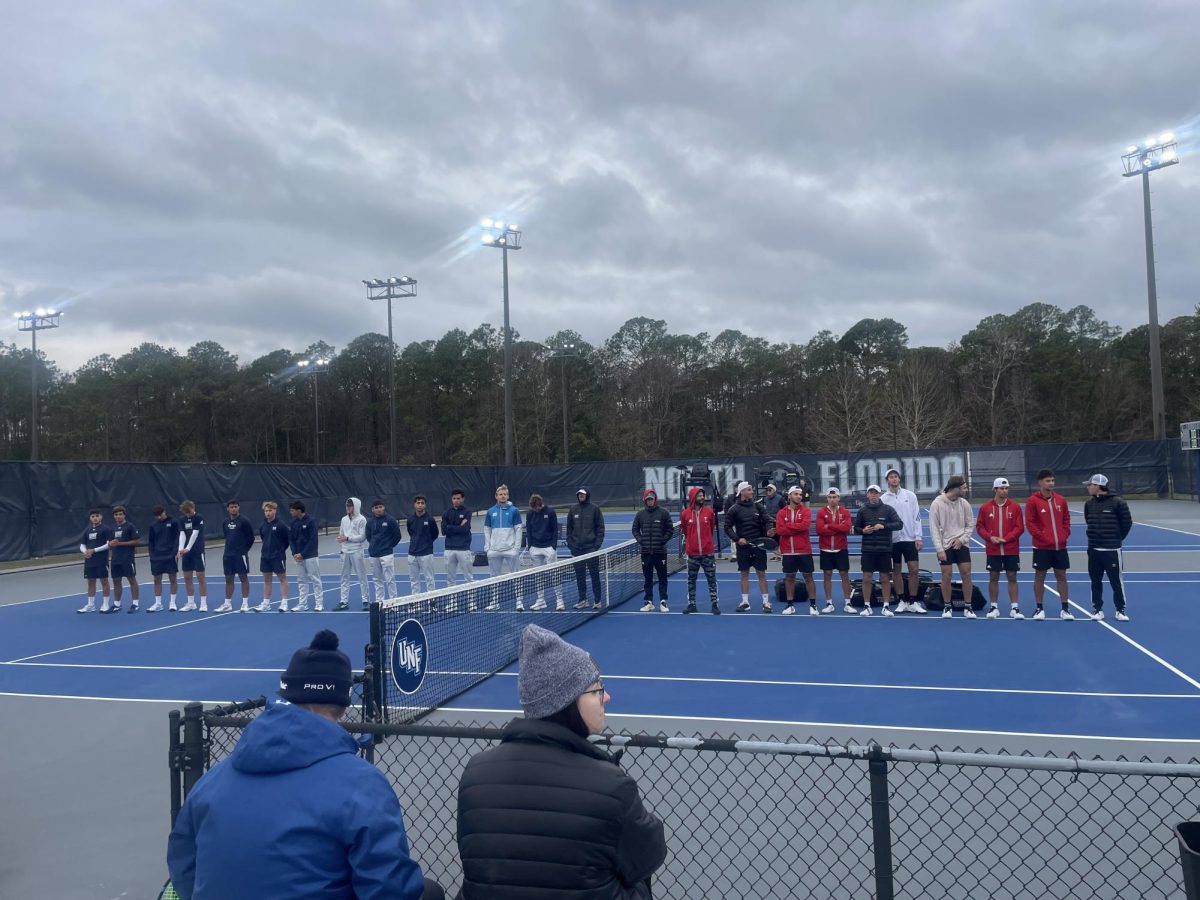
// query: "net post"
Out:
[174,753]
[881,825]
[192,759]
[374,663]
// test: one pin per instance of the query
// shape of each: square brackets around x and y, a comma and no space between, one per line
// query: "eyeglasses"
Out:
[599,690]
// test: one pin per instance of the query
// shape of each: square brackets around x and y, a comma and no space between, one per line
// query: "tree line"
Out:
[1039,374]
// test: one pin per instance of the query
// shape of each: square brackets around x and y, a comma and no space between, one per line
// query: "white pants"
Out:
[353,562]
[420,568]
[543,556]
[382,570]
[310,581]
[459,562]
[501,562]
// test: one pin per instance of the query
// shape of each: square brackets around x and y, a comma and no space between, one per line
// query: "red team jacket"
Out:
[831,532]
[791,527]
[1048,521]
[698,525]
[1002,522]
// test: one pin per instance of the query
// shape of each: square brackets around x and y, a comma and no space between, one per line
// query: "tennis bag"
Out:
[933,597]
[799,594]
[926,587]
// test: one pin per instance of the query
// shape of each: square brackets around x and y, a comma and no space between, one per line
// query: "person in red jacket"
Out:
[833,524]
[1000,525]
[795,546]
[697,523]
[1048,522]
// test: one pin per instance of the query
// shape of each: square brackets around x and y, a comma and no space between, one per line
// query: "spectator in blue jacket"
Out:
[383,534]
[294,811]
[304,541]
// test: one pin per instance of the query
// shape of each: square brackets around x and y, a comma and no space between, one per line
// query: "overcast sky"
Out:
[182,171]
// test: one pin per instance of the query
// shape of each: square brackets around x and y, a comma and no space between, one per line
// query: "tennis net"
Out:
[431,647]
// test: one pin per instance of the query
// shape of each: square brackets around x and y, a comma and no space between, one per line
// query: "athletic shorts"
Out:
[835,560]
[163,566]
[123,570]
[235,565]
[957,555]
[904,551]
[193,561]
[95,570]
[751,558]
[998,563]
[797,562]
[1051,559]
[877,561]
[274,565]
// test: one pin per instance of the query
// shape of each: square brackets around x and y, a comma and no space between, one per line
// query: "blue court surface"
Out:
[1139,679]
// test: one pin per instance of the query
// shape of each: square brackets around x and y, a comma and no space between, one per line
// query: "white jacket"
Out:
[908,508]
[355,529]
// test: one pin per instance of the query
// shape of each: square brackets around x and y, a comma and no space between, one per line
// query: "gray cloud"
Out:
[177,172]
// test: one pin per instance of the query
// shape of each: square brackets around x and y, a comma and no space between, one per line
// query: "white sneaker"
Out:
[1066,615]
[1098,616]
[302,606]
[265,606]
[283,607]
[493,606]
[743,606]
[994,612]
[648,606]
[188,607]
[172,607]
[534,607]
[203,606]
[968,613]
[849,609]
[789,610]
[1015,613]
[812,609]
[828,610]
[227,606]
[887,611]
[245,607]
[1040,614]
[662,606]
[947,612]
[866,610]
[917,607]
[1121,616]
[87,608]
[902,606]
[106,608]
[320,607]
[597,605]
[558,607]
[520,606]
[766,606]
[157,607]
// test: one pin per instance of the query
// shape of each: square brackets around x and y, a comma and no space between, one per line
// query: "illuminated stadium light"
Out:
[1166,137]
[486,223]
[39,319]
[395,288]
[505,237]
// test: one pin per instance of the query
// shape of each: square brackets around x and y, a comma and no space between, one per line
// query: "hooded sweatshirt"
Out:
[502,529]
[698,524]
[652,526]
[293,812]
[354,527]
[950,520]
[585,525]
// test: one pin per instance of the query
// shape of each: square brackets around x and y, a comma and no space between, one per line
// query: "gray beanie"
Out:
[552,674]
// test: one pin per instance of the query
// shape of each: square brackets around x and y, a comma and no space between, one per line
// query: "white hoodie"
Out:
[355,529]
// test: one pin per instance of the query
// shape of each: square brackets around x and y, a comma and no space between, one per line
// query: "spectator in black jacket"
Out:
[876,521]
[652,528]
[1108,523]
[585,534]
[547,813]
[746,520]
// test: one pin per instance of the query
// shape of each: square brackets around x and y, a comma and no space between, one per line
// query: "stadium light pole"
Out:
[1142,159]
[506,236]
[390,289]
[562,353]
[34,321]
[314,367]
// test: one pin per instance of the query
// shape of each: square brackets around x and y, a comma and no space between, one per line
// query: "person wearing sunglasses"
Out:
[547,812]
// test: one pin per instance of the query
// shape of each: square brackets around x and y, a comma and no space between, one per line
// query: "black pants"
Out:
[1101,563]
[652,563]
[581,572]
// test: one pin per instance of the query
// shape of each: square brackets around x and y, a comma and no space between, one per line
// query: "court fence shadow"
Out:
[750,818]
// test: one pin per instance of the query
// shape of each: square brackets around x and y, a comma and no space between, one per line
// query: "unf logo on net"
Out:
[410,656]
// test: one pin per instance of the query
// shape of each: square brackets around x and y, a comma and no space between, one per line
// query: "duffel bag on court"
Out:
[856,593]
[799,594]
[933,597]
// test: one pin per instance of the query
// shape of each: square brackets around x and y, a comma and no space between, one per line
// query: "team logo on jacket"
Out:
[410,656]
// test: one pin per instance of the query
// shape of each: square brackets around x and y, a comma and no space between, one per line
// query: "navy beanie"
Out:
[318,673]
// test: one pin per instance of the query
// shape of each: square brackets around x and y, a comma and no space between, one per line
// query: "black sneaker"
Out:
[716,609]
[690,608]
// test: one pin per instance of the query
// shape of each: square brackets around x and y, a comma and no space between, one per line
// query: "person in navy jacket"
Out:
[541,531]
[239,538]
[422,532]
[294,811]
[275,537]
[94,547]
[303,540]
[383,534]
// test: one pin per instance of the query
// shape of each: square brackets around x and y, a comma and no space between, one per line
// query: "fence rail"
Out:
[768,819]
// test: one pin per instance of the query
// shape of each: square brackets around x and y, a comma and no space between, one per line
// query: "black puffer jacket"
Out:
[877,541]
[547,814]
[746,519]
[1108,521]
[652,528]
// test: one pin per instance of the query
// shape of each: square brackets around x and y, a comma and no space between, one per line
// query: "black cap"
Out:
[318,673]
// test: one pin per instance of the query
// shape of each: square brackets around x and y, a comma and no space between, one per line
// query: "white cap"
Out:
[833,491]
[1098,479]
[890,471]
[742,485]
[1000,482]
[873,487]
[796,489]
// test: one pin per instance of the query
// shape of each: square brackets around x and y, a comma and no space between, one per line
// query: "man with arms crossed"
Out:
[1048,522]
[456,526]
[1001,525]
[383,534]
[422,532]
[950,524]
[905,544]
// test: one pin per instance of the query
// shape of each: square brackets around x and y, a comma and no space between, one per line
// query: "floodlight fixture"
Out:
[40,319]
[506,237]
[394,288]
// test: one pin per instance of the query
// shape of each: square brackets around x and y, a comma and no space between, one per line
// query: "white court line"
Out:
[1168,528]
[857,725]
[211,618]
[113,699]
[44,599]
[49,665]
[884,687]
[1158,659]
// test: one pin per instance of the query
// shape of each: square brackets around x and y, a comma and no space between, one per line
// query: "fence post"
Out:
[192,761]
[881,823]
[174,751]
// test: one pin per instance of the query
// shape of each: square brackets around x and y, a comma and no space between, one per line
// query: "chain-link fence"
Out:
[770,819]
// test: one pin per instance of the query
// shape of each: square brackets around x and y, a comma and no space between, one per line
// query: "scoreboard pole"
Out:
[1189,440]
